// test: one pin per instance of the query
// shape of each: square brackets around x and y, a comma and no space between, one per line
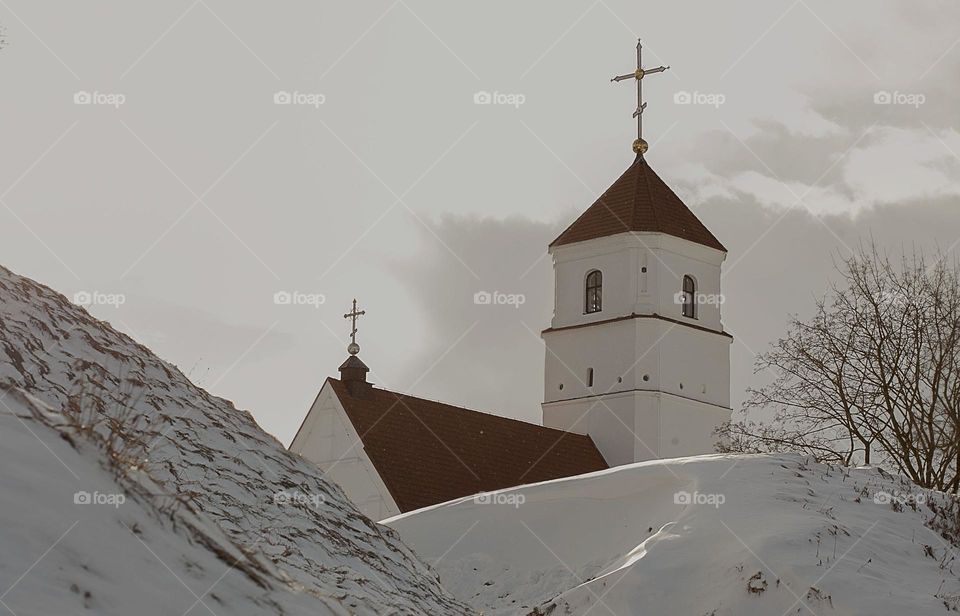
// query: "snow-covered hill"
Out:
[703,536]
[240,481]
[108,548]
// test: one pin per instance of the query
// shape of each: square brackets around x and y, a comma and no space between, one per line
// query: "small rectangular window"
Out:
[589,377]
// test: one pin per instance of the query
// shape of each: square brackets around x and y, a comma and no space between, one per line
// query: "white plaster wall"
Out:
[672,259]
[627,289]
[608,348]
[635,426]
[609,421]
[667,353]
[616,259]
[698,361]
[329,440]
[662,386]
[686,426]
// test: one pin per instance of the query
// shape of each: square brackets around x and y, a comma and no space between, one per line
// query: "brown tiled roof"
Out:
[428,452]
[638,201]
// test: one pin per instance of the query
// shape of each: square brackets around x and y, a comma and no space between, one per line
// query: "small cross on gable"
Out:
[353,315]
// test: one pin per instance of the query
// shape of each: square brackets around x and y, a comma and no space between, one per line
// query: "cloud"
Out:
[492,356]
[828,175]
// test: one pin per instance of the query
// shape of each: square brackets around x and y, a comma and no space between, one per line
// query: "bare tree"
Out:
[873,377]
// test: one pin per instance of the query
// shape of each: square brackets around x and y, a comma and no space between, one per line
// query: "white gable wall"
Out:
[328,439]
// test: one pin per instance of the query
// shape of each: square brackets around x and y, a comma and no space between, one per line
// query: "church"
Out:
[637,367]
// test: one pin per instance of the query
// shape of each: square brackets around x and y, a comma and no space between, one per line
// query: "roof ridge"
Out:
[646,180]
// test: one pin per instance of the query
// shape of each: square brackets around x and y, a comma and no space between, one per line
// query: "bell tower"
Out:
[636,354]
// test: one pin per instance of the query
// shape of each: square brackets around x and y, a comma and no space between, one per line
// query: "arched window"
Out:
[594,292]
[689,297]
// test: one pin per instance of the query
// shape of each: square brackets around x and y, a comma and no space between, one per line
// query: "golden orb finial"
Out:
[640,146]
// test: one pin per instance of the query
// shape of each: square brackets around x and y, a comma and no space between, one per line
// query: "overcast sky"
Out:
[145,158]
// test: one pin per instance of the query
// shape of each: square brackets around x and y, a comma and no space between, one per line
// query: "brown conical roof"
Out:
[638,201]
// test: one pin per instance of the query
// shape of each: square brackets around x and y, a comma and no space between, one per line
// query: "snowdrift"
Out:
[108,548]
[266,502]
[709,535]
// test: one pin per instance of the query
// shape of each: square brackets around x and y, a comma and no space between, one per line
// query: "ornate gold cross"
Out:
[354,348]
[640,146]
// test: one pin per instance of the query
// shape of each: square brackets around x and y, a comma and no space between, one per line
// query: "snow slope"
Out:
[756,535]
[117,554]
[239,478]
